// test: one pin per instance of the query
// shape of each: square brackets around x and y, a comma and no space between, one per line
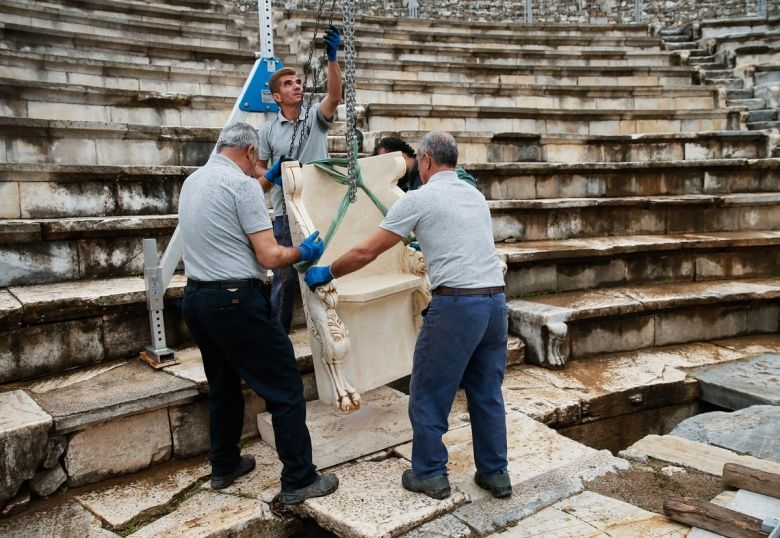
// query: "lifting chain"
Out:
[350,61]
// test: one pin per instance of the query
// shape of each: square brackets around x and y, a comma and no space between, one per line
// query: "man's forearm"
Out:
[352,260]
[281,257]
[334,81]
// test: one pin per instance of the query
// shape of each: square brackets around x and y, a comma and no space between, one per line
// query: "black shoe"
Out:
[325,484]
[245,465]
[498,484]
[435,487]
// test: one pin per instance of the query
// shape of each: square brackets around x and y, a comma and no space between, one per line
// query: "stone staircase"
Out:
[636,212]
[740,55]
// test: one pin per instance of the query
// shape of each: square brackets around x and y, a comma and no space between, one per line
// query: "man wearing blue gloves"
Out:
[310,143]
[464,334]
[228,244]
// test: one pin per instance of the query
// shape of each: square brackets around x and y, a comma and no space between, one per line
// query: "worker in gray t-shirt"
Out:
[228,243]
[463,339]
[298,133]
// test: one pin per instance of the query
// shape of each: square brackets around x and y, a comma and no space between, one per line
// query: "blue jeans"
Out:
[463,339]
[239,338]
[285,287]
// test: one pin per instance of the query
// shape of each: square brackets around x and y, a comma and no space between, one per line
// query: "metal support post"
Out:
[266,28]
[639,9]
[528,12]
[156,283]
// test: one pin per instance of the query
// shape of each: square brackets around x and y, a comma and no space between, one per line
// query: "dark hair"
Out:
[391,143]
[273,82]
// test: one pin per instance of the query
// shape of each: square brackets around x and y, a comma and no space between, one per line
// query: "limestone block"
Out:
[24,435]
[707,323]
[536,278]
[538,399]
[264,482]
[46,200]
[148,152]
[621,334]
[752,381]
[47,481]
[118,447]
[38,263]
[23,150]
[71,112]
[754,430]
[592,515]
[705,458]
[72,151]
[56,449]
[592,275]
[130,500]
[149,197]
[9,200]
[371,502]
[211,515]
[444,527]
[126,334]
[673,268]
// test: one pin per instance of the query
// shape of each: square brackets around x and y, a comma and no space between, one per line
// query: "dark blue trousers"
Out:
[463,339]
[239,338]
[285,287]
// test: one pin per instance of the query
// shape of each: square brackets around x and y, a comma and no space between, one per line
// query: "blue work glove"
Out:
[415,245]
[317,276]
[332,39]
[312,248]
[274,174]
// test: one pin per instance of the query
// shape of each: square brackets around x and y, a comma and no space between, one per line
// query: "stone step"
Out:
[687,45]
[703,60]
[576,325]
[43,100]
[600,262]
[739,94]
[734,25]
[96,73]
[719,73]
[546,121]
[476,147]
[529,183]
[768,76]
[764,125]
[750,104]
[765,114]
[568,218]
[68,19]
[728,83]
[536,96]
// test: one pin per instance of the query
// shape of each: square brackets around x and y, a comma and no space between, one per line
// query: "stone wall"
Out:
[661,12]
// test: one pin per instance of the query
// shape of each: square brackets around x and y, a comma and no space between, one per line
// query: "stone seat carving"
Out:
[363,327]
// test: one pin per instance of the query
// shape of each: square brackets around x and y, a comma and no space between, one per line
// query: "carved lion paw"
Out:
[349,403]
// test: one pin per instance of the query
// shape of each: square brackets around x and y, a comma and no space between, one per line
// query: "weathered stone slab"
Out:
[541,400]
[591,515]
[46,482]
[10,309]
[746,502]
[533,449]
[107,391]
[209,514]
[24,438]
[371,502]
[444,527]
[705,458]
[752,345]
[753,381]
[69,519]
[265,481]
[381,422]
[754,431]
[489,514]
[125,502]
[118,447]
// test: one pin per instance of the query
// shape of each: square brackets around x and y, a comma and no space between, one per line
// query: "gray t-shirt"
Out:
[451,221]
[218,206]
[275,137]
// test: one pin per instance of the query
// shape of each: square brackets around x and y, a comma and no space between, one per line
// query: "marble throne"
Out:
[362,327]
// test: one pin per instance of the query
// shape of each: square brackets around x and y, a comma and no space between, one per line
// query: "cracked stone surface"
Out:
[591,515]
[754,430]
[69,519]
[130,500]
[209,514]
[24,439]
[47,481]
[533,449]
[371,502]
[444,527]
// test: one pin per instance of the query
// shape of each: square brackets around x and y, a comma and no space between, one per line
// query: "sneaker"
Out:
[325,484]
[435,487]
[498,484]
[245,465]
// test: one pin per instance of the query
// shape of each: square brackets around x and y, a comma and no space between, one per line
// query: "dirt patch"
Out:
[645,485]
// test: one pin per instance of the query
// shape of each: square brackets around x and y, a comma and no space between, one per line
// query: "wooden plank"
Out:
[712,517]
[742,477]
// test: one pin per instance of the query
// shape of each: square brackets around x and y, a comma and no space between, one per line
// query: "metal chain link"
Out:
[350,101]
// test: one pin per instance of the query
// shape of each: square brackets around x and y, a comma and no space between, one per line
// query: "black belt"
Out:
[226,284]
[444,290]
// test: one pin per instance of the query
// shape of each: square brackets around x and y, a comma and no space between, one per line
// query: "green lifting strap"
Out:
[328,166]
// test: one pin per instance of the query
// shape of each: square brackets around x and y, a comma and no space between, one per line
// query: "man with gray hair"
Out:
[464,335]
[228,248]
